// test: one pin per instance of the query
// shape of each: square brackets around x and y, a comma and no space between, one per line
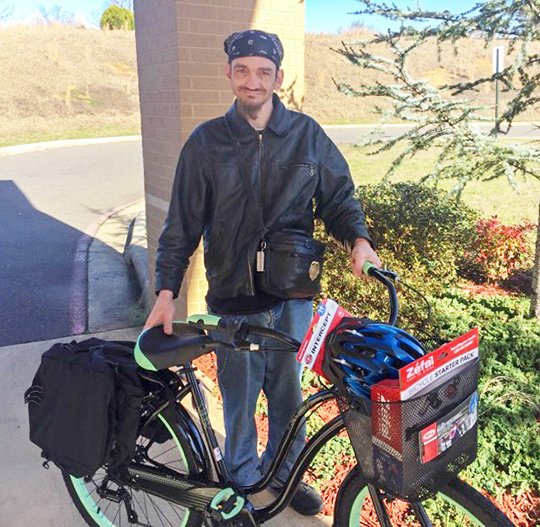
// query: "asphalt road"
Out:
[354,133]
[48,199]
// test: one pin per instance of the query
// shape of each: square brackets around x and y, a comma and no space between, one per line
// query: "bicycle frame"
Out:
[197,493]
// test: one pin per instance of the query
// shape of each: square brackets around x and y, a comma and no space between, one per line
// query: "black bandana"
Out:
[254,43]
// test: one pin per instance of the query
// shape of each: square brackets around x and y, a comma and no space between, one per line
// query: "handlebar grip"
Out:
[206,320]
[367,268]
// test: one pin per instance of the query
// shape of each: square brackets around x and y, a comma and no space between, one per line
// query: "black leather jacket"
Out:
[295,173]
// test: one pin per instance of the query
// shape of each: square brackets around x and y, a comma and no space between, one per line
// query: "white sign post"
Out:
[498,66]
[498,59]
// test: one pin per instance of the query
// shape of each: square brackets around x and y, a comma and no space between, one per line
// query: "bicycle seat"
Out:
[157,351]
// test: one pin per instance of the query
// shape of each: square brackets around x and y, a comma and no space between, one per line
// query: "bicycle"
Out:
[178,476]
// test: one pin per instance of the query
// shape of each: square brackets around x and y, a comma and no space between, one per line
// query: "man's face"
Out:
[253,81]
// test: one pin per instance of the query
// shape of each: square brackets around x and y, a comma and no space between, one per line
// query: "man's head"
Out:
[253,68]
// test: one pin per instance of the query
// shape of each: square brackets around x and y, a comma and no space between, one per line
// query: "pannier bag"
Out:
[84,405]
[290,264]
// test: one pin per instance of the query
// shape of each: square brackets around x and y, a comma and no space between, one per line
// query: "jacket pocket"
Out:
[299,170]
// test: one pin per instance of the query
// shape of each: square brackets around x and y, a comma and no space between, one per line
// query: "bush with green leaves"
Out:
[419,231]
[421,227]
[509,438]
[116,17]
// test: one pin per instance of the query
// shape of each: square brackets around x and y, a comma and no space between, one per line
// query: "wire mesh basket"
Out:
[412,448]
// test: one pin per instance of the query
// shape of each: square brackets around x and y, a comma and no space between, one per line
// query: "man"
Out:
[259,165]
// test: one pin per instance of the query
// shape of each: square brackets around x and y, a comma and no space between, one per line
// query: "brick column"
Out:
[182,83]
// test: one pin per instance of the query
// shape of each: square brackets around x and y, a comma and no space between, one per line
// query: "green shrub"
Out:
[116,17]
[420,232]
[509,436]
[423,228]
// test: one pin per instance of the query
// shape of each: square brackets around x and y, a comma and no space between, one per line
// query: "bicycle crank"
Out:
[120,496]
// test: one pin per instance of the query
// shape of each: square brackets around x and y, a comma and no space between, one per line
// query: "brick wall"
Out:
[181,67]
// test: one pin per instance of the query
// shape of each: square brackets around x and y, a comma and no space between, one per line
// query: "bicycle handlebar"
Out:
[237,331]
[386,278]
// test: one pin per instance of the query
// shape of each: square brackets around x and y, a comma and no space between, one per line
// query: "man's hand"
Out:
[362,252]
[162,312]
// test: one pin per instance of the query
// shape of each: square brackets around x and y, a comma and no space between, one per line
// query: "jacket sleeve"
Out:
[185,220]
[336,205]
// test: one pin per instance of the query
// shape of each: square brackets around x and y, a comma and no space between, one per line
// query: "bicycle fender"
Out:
[186,428]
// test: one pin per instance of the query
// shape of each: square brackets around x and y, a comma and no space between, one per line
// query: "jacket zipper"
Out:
[250,267]
[261,176]
[251,281]
[308,165]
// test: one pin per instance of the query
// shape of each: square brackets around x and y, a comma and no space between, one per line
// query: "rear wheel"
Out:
[104,503]
[456,505]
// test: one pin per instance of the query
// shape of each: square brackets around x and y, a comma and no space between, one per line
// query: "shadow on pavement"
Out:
[36,273]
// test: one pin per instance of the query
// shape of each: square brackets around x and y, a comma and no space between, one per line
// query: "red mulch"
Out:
[523,510]
[518,283]
[484,289]
[208,365]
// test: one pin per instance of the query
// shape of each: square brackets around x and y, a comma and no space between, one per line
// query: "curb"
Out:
[78,306]
[51,145]
[136,255]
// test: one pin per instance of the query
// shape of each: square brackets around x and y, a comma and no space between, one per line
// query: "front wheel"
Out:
[102,502]
[456,505]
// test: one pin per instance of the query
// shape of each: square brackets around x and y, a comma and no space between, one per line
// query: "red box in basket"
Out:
[327,317]
[415,379]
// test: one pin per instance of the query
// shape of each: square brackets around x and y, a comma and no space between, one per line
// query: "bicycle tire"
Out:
[456,505]
[173,451]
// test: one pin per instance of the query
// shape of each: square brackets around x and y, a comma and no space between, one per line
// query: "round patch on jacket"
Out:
[314,270]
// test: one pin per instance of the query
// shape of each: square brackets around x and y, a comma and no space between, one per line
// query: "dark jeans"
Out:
[242,376]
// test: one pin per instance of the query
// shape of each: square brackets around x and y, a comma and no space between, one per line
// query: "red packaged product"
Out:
[327,316]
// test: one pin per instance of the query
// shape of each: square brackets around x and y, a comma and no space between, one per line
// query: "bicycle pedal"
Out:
[227,504]
[229,508]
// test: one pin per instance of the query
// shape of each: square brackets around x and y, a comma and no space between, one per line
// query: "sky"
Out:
[331,16]
[328,16]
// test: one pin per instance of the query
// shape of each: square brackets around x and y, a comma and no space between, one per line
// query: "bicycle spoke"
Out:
[158,512]
[107,508]
[146,507]
[151,511]
[174,507]
[116,516]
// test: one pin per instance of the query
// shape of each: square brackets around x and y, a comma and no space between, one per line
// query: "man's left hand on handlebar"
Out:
[361,253]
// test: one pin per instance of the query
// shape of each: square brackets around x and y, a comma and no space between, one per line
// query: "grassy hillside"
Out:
[468,61]
[63,81]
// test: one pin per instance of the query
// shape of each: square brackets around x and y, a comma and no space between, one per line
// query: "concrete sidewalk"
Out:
[30,495]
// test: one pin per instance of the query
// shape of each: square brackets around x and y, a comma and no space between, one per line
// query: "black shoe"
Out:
[306,500]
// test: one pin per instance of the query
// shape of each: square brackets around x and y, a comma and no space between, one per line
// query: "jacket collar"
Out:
[241,130]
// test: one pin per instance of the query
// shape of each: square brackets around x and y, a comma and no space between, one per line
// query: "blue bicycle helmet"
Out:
[362,352]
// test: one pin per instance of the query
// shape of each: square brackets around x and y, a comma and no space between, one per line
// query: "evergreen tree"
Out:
[443,116]
[5,11]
